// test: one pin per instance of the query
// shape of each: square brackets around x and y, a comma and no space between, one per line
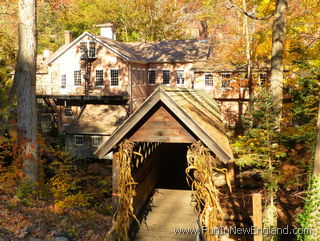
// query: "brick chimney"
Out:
[106,30]
[203,30]
[67,37]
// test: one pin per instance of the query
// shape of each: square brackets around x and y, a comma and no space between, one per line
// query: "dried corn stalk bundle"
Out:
[200,172]
[126,192]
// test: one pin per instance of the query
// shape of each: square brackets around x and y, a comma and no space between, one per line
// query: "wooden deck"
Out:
[170,209]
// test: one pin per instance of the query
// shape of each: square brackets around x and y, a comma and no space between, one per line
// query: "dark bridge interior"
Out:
[174,176]
[164,168]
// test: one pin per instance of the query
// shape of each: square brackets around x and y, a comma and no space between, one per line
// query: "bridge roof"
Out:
[194,109]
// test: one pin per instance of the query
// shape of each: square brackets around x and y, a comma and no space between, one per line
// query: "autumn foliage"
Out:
[65,187]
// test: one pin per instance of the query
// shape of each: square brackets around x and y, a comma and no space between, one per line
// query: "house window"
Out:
[96,141]
[77,77]
[134,79]
[68,111]
[63,81]
[152,76]
[225,80]
[99,77]
[114,74]
[180,77]
[143,76]
[138,76]
[263,78]
[165,77]
[78,140]
[92,49]
[208,80]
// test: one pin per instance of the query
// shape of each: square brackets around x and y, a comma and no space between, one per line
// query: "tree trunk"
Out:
[25,78]
[316,165]
[278,36]
[248,56]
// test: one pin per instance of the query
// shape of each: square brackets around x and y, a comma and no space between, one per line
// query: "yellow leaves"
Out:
[200,173]
[262,44]
[10,174]
[77,200]
[266,7]
[126,191]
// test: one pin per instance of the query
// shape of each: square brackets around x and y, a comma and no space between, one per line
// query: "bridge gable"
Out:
[193,110]
[162,127]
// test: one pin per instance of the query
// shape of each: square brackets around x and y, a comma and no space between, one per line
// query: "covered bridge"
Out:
[162,128]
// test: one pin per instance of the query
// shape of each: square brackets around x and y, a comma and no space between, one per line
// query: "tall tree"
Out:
[277,55]
[248,55]
[278,38]
[25,79]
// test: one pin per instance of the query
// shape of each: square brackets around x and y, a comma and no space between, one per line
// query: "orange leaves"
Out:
[10,165]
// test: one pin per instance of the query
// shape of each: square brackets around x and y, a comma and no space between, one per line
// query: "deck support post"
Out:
[115,175]
[257,216]
[230,167]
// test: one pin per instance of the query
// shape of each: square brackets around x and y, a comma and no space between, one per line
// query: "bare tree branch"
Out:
[311,43]
[250,15]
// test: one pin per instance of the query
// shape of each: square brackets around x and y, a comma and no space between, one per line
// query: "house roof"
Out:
[172,50]
[164,51]
[98,119]
[122,48]
[216,65]
[64,48]
[197,111]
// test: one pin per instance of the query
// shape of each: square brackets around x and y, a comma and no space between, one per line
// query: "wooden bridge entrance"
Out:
[170,205]
[162,128]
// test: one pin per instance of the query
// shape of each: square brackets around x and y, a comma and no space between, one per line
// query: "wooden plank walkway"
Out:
[170,209]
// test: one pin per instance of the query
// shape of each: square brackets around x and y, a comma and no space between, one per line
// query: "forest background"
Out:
[283,157]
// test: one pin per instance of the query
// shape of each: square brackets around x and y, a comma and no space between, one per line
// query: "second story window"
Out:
[114,74]
[165,77]
[99,77]
[63,81]
[225,80]
[180,77]
[92,49]
[208,80]
[77,77]
[152,76]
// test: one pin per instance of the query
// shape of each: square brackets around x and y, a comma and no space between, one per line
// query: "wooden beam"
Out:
[162,127]
[257,216]
[81,111]
[47,101]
